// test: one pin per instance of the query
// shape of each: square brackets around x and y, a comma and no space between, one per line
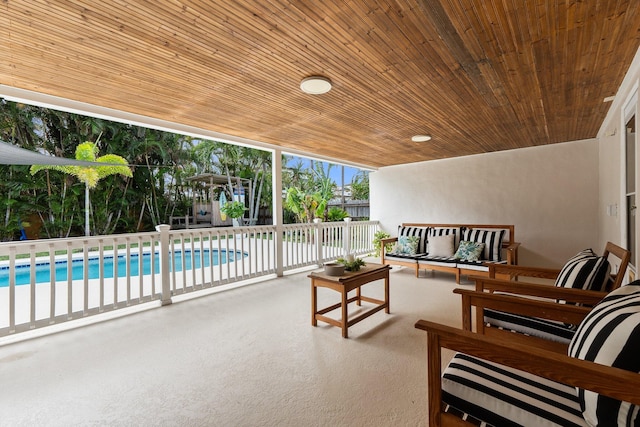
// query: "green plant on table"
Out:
[352,265]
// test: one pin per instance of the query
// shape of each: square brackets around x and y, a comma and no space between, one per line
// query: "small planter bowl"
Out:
[333,269]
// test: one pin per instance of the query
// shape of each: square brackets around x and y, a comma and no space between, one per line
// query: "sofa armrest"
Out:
[383,244]
[512,253]
[613,382]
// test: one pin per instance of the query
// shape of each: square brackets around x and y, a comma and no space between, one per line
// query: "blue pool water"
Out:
[43,270]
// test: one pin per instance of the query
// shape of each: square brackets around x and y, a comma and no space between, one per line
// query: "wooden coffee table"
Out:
[343,284]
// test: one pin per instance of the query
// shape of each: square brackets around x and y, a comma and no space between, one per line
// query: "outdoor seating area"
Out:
[494,381]
[529,336]
[298,214]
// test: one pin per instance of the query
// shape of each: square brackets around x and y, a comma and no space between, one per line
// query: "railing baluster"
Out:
[116,282]
[128,270]
[32,283]
[85,277]
[12,289]
[193,262]
[140,269]
[69,281]
[152,265]
[172,262]
[202,263]
[101,252]
[52,283]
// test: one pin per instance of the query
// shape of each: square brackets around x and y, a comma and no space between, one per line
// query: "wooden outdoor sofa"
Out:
[506,378]
[438,243]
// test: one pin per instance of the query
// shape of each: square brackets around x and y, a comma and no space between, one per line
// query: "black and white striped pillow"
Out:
[585,270]
[610,335]
[492,240]
[420,232]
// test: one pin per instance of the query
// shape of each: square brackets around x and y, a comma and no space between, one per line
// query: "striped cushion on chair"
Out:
[541,328]
[610,335]
[502,396]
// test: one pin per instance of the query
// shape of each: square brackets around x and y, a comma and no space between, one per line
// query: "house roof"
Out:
[478,76]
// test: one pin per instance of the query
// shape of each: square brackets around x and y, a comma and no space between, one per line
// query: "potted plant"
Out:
[234,210]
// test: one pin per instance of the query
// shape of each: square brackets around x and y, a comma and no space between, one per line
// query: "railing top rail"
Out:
[77,240]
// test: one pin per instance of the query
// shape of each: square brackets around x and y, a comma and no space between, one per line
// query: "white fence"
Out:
[47,282]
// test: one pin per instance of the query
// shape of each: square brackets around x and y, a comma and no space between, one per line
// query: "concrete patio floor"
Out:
[242,357]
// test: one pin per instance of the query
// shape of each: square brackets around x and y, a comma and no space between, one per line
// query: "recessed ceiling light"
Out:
[315,85]
[421,138]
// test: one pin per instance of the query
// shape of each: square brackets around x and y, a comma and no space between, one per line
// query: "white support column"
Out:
[163,229]
[347,237]
[276,214]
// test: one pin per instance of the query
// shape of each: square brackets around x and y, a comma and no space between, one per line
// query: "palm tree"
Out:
[90,175]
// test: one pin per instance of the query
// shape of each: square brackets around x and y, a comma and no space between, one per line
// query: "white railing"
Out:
[94,275]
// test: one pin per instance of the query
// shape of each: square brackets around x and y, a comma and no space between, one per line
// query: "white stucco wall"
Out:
[611,159]
[549,193]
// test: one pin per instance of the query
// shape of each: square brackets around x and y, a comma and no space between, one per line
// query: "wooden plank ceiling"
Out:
[479,76]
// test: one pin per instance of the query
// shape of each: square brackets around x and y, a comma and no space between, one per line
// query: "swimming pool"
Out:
[43,269]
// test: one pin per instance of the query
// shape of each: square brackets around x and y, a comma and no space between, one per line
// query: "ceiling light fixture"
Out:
[421,138]
[315,85]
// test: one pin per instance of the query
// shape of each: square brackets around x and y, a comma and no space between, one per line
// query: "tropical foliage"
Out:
[90,175]
[153,187]
[234,209]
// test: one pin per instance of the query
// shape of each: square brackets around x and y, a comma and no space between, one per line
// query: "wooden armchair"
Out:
[540,303]
[538,363]
[547,312]
[614,253]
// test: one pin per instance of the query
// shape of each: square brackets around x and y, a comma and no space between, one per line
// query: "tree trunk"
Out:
[87,232]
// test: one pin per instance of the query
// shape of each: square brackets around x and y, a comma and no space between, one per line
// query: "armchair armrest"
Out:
[525,300]
[566,313]
[383,244]
[580,296]
[516,271]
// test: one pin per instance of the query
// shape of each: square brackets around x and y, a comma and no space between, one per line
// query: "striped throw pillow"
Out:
[419,232]
[492,240]
[610,335]
[585,270]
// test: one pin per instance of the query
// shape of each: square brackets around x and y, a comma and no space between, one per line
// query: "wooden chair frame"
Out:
[616,383]
[516,271]
[533,299]
[540,302]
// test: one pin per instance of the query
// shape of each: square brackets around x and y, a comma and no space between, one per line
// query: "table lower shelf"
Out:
[380,305]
